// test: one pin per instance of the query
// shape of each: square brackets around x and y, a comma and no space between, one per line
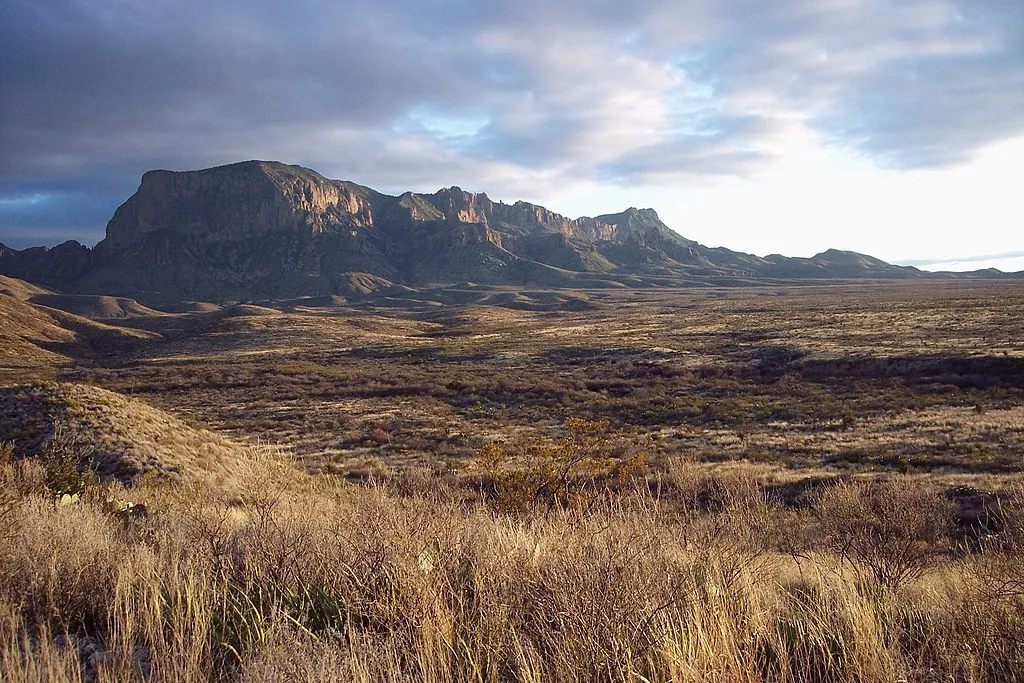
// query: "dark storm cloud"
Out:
[35,219]
[517,96]
[77,80]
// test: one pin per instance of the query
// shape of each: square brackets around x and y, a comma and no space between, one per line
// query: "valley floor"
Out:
[897,377]
[775,483]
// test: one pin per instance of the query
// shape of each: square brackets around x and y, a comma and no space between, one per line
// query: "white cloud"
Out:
[773,126]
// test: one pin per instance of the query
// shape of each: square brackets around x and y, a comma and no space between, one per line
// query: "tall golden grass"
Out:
[289,577]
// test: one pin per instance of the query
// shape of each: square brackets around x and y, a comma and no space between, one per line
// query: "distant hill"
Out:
[262,229]
[94,306]
[34,335]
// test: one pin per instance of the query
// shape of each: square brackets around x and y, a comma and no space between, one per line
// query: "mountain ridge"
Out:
[267,229]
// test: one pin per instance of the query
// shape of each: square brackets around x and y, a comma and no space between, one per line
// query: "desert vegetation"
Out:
[698,573]
[905,377]
[792,484]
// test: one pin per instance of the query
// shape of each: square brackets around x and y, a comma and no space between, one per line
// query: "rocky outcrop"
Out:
[238,202]
[45,265]
[239,231]
[263,229]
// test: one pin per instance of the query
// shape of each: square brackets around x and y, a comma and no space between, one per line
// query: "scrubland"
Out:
[704,576]
[812,484]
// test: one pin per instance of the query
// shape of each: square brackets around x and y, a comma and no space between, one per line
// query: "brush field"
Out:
[897,377]
[779,483]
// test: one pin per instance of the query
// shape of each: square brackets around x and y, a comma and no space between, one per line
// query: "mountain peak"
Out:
[643,213]
[633,216]
[840,256]
[267,229]
[646,227]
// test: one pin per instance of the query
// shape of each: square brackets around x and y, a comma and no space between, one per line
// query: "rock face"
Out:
[264,229]
[236,203]
[47,266]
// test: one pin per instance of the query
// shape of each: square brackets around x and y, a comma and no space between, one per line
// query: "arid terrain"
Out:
[497,484]
[899,377]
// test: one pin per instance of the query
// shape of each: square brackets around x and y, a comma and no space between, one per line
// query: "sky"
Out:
[890,127]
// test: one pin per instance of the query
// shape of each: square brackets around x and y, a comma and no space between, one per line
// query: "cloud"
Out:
[525,96]
[916,84]
[928,113]
[979,258]
[703,144]
[33,219]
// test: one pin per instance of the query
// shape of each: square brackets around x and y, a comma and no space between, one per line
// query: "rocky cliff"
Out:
[264,229]
[47,265]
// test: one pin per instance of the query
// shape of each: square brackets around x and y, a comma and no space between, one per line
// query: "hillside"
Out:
[95,307]
[36,336]
[120,436]
[268,230]
[19,289]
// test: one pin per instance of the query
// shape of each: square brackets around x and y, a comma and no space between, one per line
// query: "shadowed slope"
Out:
[33,336]
[95,307]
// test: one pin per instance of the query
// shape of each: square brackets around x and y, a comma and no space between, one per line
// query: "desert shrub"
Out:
[726,517]
[891,530]
[695,487]
[1000,564]
[317,580]
[587,462]
[67,463]
[1009,517]
[8,490]
[60,563]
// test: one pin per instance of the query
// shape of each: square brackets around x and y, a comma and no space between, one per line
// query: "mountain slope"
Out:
[264,229]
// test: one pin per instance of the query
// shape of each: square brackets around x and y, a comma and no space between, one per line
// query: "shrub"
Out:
[585,463]
[727,517]
[8,490]
[1001,563]
[68,465]
[891,530]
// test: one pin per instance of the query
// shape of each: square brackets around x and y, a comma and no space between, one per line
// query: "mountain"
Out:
[47,265]
[264,229]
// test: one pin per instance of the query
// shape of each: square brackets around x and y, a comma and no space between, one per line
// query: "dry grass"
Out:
[795,484]
[117,436]
[35,338]
[292,577]
[912,378]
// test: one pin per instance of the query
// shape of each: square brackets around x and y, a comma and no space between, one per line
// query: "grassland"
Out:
[890,377]
[776,483]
